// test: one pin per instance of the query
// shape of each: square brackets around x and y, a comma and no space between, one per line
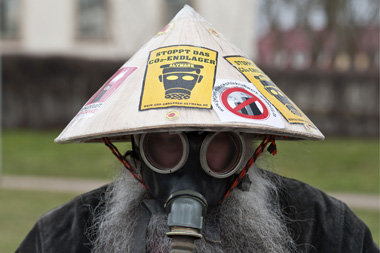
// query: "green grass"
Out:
[19,210]
[35,153]
[372,219]
[343,165]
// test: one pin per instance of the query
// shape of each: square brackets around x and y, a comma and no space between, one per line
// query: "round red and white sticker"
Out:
[243,103]
[237,101]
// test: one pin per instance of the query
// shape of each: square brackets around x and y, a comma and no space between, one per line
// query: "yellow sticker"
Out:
[265,85]
[181,76]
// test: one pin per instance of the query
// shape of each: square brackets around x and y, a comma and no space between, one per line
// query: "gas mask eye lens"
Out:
[164,152]
[221,154]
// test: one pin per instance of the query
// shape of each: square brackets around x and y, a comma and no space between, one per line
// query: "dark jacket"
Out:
[319,223]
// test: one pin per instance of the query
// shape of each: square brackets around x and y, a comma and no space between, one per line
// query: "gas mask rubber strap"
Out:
[259,150]
[123,160]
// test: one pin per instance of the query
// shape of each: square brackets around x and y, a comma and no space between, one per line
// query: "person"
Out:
[190,181]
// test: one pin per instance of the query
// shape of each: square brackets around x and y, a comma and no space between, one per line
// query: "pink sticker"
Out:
[105,91]
[111,85]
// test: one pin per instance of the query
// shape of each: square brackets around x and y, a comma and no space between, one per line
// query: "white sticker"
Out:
[237,101]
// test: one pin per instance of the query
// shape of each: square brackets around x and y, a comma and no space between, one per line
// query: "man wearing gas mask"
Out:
[187,175]
[190,182]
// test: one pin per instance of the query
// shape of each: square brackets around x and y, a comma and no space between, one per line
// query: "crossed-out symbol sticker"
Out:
[244,104]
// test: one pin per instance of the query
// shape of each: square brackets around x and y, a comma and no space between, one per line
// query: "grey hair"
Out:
[248,221]
[114,223]
[251,221]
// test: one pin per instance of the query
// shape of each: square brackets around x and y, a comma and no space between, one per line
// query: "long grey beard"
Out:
[115,224]
[247,221]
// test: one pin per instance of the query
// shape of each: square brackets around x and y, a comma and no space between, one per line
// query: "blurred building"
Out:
[110,29]
[293,49]
[334,81]
[56,54]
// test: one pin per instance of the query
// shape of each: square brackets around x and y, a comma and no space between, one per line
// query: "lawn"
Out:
[372,219]
[19,210]
[35,153]
[341,165]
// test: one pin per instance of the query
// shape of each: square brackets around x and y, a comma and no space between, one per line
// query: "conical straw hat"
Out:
[188,77]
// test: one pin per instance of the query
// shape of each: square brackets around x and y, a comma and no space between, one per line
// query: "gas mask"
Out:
[188,172]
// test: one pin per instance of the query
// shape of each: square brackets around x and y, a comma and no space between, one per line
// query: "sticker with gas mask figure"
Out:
[236,101]
[179,76]
[264,84]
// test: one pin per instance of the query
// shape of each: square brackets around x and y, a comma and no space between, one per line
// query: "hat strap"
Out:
[259,150]
[123,160]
